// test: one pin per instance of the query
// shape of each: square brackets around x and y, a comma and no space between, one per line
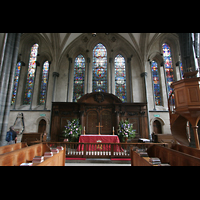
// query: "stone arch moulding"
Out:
[47,123]
[159,119]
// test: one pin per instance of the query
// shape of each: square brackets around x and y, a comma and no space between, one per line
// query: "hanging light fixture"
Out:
[95,34]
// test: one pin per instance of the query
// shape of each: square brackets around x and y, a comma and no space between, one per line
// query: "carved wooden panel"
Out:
[135,122]
[91,109]
[181,97]
[106,122]
[193,94]
[92,122]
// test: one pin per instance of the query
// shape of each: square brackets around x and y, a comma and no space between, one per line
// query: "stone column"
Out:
[7,81]
[144,75]
[4,79]
[3,51]
[55,74]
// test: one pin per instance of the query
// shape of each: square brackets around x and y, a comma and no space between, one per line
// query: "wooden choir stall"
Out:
[99,112]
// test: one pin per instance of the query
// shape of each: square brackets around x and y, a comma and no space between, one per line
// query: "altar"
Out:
[98,112]
[99,139]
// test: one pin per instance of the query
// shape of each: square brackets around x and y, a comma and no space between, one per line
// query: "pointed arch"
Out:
[99,82]
[31,74]
[120,77]
[79,77]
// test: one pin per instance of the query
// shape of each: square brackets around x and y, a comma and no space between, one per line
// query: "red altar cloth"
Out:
[99,139]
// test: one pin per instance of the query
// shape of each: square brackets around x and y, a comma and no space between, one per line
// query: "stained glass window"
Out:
[181,69]
[31,74]
[168,66]
[44,83]
[79,74]
[16,81]
[120,77]
[156,82]
[99,68]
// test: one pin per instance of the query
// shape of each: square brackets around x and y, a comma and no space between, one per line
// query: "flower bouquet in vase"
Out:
[125,131]
[72,130]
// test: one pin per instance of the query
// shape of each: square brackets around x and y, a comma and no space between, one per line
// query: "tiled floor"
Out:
[95,164]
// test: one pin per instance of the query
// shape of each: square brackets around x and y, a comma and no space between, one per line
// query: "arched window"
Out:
[168,66]
[79,74]
[120,77]
[31,74]
[16,81]
[99,81]
[44,83]
[156,82]
[181,70]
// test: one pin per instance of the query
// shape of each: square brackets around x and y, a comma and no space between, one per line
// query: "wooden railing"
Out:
[100,150]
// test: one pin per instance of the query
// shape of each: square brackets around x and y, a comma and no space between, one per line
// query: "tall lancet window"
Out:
[44,83]
[120,77]
[181,70]
[168,66]
[16,81]
[79,74]
[31,74]
[99,81]
[156,82]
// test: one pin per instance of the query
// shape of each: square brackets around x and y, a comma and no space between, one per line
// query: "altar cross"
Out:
[99,127]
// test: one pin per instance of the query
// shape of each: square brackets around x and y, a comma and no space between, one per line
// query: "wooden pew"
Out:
[188,150]
[173,157]
[15,158]
[12,147]
[56,160]
[136,160]
[30,137]
[167,138]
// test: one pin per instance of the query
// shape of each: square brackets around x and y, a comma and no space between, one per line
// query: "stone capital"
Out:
[55,74]
[143,74]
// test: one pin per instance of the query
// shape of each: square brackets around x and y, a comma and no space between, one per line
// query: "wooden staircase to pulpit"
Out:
[184,105]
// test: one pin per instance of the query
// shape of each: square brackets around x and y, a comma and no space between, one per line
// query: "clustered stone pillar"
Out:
[144,75]
[55,74]
[7,75]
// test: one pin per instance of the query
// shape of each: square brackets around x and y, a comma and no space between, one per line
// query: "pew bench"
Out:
[12,147]
[187,150]
[30,137]
[173,157]
[24,155]
[166,155]
[56,160]
[136,160]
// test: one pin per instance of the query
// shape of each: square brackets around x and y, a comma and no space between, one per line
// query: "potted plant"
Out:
[125,131]
[72,130]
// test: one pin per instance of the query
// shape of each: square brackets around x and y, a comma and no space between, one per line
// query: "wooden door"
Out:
[157,127]
[92,122]
[42,126]
[106,122]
